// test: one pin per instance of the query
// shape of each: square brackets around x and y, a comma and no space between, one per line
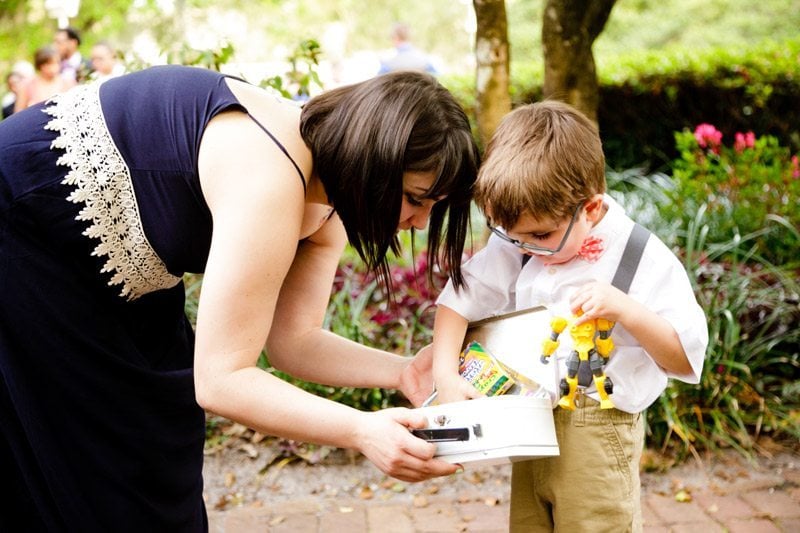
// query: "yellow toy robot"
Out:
[591,342]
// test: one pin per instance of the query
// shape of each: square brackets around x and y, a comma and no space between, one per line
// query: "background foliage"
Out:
[262,30]
[646,95]
[749,384]
[747,185]
[665,67]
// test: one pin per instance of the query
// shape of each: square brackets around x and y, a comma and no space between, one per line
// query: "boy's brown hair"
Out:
[544,159]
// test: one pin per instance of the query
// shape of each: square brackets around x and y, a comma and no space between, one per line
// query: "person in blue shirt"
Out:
[406,56]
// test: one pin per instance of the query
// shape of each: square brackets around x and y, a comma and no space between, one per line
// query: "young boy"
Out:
[542,188]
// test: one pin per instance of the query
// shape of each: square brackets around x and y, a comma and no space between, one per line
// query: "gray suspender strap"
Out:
[622,280]
[630,258]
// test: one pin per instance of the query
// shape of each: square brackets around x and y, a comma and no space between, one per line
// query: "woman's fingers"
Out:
[387,441]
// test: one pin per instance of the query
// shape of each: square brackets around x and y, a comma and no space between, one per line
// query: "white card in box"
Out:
[491,430]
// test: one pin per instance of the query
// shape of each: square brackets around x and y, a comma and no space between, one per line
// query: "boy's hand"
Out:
[455,388]
[599,300]
[654,333]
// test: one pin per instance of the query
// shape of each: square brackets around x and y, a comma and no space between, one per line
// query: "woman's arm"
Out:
[297,343]
[299,346]
[257,208]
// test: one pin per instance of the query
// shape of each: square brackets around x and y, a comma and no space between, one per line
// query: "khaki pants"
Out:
[593,485]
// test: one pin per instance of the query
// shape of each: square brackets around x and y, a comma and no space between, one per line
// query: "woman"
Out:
[112,191]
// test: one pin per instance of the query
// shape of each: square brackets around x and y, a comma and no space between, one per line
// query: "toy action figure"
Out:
[591,342]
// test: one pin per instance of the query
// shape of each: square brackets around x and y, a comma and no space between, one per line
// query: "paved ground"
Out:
[725,494]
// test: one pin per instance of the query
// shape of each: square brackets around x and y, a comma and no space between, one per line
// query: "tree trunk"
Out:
[493,100]
[569,28]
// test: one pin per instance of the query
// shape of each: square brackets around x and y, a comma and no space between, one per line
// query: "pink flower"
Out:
[708,136]
[382,318]
[744,140]
[795,167]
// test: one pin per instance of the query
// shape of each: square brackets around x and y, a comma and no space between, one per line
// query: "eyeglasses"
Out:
[539,250]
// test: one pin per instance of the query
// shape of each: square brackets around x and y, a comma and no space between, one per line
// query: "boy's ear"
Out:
[594,208]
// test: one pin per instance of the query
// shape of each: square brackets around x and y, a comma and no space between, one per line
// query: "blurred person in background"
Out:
[16,80]
[45,83]
[73,66]
[105,64]
[406,56]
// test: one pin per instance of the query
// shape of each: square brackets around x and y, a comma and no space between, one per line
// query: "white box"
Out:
[491,430]
[511,427]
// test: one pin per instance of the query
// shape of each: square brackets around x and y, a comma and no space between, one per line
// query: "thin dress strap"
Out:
[283,149]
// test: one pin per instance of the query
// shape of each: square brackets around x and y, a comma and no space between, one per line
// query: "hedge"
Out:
[647,96]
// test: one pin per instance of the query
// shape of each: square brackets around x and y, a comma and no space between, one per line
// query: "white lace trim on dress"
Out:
[103,185]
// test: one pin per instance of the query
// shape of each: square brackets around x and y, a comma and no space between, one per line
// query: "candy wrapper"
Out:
[490,375]
[483,371]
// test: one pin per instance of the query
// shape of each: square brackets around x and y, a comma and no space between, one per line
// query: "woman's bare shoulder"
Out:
[238,161]
[281,117]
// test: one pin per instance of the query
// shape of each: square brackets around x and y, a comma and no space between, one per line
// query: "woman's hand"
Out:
[385,439]
[416,380]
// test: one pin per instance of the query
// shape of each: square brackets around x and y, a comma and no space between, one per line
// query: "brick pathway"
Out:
[731,500]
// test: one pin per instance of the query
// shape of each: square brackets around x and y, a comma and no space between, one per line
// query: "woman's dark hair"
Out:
[363,137]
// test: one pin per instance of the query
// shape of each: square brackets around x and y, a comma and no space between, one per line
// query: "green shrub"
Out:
[647,95]
[749,384]
[744,187]
[302,76]
[210,58]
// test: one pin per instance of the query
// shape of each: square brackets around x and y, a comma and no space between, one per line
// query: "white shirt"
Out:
[497,283]
[116,71]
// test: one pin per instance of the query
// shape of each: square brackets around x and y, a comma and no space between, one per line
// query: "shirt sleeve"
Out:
[490,278]
[671,296]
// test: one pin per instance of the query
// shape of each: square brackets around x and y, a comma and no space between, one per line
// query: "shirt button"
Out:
[552,270]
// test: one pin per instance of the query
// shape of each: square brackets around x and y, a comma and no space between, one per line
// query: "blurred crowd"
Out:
[56,67]
[60,64]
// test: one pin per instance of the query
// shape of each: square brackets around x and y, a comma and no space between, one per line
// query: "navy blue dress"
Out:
[101,213]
